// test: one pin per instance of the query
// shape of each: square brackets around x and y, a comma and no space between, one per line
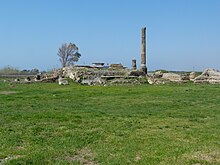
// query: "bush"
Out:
[162,71]
[9,70]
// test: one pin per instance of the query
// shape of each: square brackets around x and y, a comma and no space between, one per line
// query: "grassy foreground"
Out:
[51,124]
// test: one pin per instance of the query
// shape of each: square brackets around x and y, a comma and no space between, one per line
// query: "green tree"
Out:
[68,54]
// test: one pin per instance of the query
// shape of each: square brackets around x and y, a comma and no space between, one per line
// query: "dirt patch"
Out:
[202,157]
[7,92]
[84,156]
[212,157]
[3,161]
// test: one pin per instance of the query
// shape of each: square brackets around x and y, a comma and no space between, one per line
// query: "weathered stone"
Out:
[137,73]
[151,81]
[126,81]
[158,74]
[143,51]
[27,79]
[63,81]
[157,81]
[209,76]
[49,79]
[67,72]
[103,76]
[134,65]
[17,80]
[192,75]
[37,78]
[185,77]
[172,77]
[95,81]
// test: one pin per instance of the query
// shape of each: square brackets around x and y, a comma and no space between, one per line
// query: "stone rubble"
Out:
[172,77]
[211,76]
[120,76]
[192,76]
[97,76]
[102,76]
[63,81]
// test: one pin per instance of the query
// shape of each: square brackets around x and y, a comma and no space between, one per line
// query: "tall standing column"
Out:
[143,52]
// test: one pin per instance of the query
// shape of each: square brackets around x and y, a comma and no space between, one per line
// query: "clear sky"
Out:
[182,34]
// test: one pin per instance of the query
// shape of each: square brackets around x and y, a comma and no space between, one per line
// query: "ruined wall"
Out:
[102,76]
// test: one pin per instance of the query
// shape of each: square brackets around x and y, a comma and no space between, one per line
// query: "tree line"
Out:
[12,70]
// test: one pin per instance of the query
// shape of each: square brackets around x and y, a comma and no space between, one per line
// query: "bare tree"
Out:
[68,54]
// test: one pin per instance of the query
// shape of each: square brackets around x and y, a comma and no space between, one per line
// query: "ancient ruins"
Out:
[98,74]
[143,52]
[117,74]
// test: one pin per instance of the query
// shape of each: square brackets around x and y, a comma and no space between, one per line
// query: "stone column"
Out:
[143,52]
[134,65]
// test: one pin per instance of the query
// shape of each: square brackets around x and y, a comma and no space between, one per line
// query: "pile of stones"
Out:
[168,77]
[120,76]
[211,76]
[103,76]
[48,77]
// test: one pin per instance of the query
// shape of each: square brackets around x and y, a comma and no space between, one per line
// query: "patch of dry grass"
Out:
[7,92]
[84,156]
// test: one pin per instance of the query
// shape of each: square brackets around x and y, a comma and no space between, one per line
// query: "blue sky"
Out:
[182,34]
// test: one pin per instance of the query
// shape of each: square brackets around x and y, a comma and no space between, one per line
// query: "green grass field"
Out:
[118,125]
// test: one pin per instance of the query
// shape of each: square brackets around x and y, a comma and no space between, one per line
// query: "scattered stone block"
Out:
[137,73]
[172,77]
[192,76]
[158,74]
[17,80]
[63,81]
[27,79]
[185,77]
[37,78]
